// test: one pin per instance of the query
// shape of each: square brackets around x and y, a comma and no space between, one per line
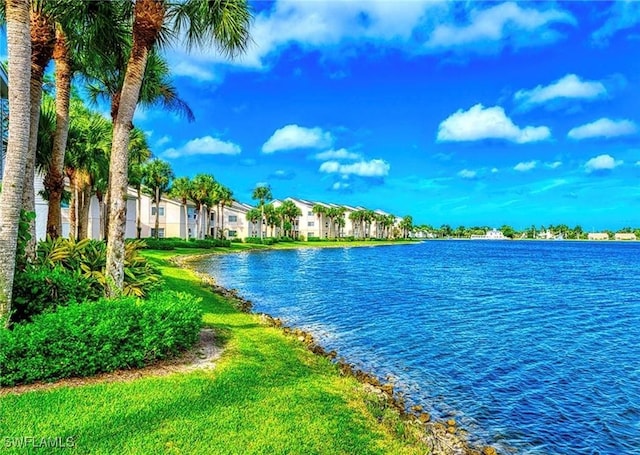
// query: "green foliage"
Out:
[173,243]
[23,237]
[259,241]
[102,336]
[40,288]
[89,257]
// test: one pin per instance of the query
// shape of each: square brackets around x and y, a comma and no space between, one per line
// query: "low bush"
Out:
[259,241]
[237,240]
[173,243]
[95,337]
[40,288]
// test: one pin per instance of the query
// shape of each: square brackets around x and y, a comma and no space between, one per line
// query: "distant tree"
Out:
[156,177]
[508,231]
[181,190]
[262,194]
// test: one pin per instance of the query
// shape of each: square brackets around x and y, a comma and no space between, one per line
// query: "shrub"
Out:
[173,243]
[96,337]
[40,288]
[90,256]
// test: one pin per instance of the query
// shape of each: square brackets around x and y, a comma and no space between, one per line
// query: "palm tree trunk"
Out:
[157,202]
[186,220]
[118,168]
[19,52]
[54,180]
[83,210]
[138,210]
[222,223]
[28,195]
[100,198]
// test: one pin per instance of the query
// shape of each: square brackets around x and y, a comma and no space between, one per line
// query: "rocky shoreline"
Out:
[442,437]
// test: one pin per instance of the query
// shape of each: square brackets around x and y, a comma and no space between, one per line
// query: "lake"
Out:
[533,347]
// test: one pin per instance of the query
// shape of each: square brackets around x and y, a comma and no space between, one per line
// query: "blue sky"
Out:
[466,113]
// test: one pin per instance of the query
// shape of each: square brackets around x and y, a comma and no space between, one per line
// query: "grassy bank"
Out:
[267,394]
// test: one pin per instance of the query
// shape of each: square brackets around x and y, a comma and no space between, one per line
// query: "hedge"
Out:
[95,337]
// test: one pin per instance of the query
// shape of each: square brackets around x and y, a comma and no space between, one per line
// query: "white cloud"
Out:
[495,170]
[206,145]
[506,23]
[623,15]
[525,166]
[191,69]
[340,154]
[340,186]
[292,137]
[601,163]
[570,86]
[331,26]
[603,127]
[163,141]
[488,123]
[554,165]
[467,174]
[372,168]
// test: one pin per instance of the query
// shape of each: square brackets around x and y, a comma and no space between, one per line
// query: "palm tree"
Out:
[407,226]
[226,200]
[181,189]
[19,70]
[253,216]
[289,212]
[222,23]
[156,176]
[319,210]
[201,188]
[89,142]
[42,39]
[356,219]
[273,218]
[86,35]
[139,153]
[262,193]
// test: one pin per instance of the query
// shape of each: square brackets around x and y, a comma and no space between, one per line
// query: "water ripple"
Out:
[533,346]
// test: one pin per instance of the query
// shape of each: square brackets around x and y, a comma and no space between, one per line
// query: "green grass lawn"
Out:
[267,395]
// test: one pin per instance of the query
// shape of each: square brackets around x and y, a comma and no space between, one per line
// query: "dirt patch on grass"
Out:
[203,356]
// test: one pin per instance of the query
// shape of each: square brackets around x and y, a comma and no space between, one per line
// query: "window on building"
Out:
[310,213]
[160,210]
[326,225]
[233,218]
[233,234]
[160,232]
[310,224]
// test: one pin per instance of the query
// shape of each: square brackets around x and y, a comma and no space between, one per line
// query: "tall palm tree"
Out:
[87,34]
[319,210]
[19,70]
[262,194]
[225,24]
[42,40]
[226,199]
[156,176]
[253,216]
[88,145]
[139,153]
[201,187]
[356,217]
[290,212]
[181,189]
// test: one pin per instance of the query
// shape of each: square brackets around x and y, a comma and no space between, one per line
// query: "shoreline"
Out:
[442,436]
